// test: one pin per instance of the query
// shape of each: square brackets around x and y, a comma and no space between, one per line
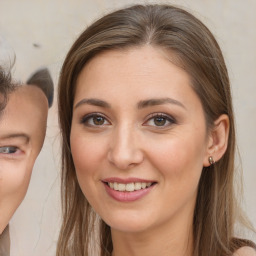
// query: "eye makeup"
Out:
[160,120]
[94,119]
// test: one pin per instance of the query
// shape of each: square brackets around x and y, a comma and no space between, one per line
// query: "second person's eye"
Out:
[8,150]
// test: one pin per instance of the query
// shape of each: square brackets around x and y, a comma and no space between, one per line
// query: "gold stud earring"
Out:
[211,161]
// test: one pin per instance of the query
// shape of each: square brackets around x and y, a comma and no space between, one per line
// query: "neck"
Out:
[172,239]
[5,242]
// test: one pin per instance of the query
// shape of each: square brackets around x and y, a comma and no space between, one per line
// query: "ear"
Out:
[217,140]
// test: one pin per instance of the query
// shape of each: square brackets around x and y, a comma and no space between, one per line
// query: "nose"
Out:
[124,149]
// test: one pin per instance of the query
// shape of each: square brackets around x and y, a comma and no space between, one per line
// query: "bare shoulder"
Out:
[245,251]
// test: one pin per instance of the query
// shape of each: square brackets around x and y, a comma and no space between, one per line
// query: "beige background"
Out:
[41,31]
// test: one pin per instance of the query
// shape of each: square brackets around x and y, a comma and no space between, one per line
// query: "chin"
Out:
[7,213]
[131,228]
[129,224]
[3,225]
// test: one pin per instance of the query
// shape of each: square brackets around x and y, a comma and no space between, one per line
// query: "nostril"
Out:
[125,159]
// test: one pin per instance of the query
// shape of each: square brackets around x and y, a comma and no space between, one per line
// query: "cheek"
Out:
[88,156]
[14,182]
[88,153]
[179,157]
[14,179]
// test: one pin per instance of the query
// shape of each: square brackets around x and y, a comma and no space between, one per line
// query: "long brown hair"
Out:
[196,50]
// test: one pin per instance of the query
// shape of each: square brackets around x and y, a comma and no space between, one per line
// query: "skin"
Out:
[130,143]
[245,251]
[22,132]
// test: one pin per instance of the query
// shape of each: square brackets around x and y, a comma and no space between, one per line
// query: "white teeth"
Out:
[143,185]
[121,187]
[129,187]
[137,186]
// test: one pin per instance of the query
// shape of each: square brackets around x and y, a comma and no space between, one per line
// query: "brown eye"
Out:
[94,120]
[159,121]
[98,120]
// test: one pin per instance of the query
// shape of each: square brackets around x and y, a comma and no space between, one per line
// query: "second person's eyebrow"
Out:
[10,136]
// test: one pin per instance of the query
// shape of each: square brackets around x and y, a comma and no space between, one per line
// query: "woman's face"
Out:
[138,139]
[22,131]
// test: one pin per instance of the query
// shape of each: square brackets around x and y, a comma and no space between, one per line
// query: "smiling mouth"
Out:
[129,187]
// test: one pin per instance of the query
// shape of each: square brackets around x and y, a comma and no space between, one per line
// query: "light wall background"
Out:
[40,33]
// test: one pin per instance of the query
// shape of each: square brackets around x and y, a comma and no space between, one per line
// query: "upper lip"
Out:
[127,180]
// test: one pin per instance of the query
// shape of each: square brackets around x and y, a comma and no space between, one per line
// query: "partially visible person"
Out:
[23,120]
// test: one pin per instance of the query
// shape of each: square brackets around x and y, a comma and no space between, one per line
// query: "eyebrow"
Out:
[160,101]
[140,105]
[15,135]
[94,102]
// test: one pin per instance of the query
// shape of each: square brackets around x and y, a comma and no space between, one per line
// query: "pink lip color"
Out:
[125,196]
[125,181]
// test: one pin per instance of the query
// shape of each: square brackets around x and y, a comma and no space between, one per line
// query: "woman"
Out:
[148,139]
[23,121]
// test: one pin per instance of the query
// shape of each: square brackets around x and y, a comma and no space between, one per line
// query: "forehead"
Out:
[25,113]
[143,69]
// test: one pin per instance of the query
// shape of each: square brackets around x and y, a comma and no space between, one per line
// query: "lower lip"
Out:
[125,196]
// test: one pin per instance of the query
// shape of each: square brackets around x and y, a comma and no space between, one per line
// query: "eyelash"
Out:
[85,120]
[166,118]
